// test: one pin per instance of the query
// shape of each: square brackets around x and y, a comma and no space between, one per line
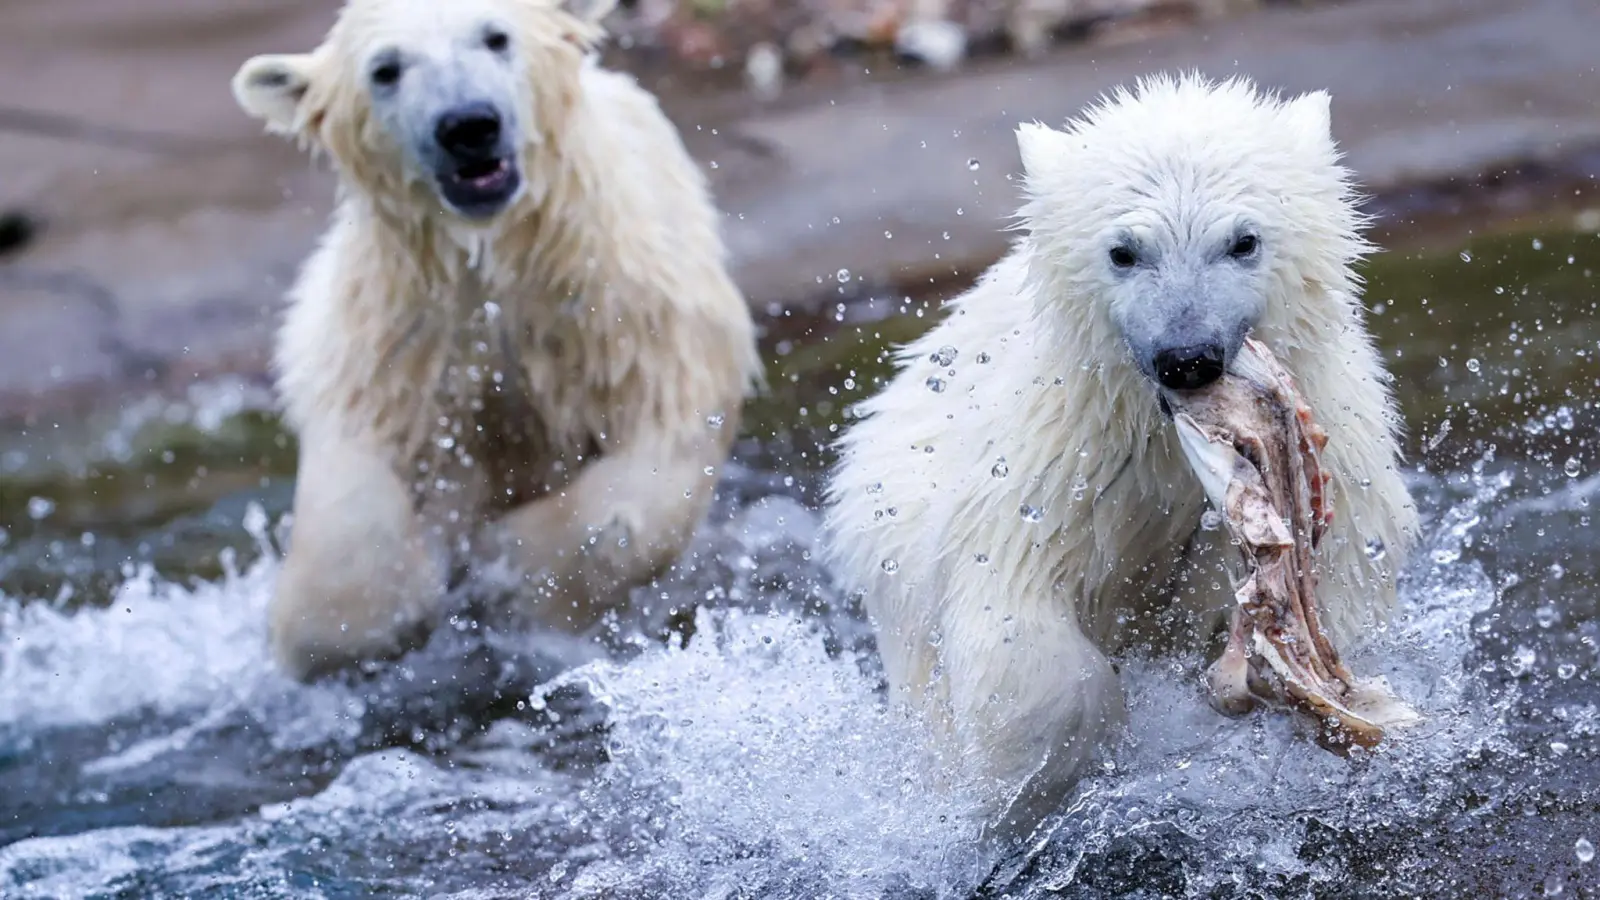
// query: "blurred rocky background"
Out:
[859,147]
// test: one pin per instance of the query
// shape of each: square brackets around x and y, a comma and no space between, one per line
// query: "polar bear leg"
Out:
[359,581]
[624,519]
[1035,702]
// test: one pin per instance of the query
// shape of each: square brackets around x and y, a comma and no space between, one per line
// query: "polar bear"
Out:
[1013,506]
[518,339]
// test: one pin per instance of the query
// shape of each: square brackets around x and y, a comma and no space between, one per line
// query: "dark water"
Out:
[149,749]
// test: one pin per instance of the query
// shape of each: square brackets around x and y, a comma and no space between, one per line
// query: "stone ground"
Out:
[171,225]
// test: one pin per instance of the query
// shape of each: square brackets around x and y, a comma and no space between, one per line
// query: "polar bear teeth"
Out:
[482,174]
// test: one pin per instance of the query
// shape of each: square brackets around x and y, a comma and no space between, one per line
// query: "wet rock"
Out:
[764,70]
[712,34]
[938,43]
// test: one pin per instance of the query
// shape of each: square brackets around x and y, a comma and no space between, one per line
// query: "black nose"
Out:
[1187,368]
[469,130]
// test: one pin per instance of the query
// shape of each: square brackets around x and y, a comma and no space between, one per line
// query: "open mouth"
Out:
[480,188]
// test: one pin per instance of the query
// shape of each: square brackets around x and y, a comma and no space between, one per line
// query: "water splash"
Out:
[1199,804]
[755,759]
[773,769]
[162,649]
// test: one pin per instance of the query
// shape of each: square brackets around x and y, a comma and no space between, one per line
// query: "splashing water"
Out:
[160,649]
[783,772]
[756,759]
[1230,805]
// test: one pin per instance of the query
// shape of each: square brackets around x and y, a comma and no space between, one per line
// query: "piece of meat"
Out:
[1257,452]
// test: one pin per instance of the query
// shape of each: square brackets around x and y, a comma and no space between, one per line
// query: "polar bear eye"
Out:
[496,40]
[386,72]
[1244,246]
[1123,258]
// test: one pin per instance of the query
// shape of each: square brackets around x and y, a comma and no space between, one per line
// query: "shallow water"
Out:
[149,749]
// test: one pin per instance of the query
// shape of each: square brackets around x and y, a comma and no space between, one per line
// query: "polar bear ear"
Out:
[589,11]
[1312,115]
[270,88]
[1043,149]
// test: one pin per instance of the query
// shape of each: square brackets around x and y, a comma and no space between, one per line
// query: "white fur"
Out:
[998,601]
[595,314]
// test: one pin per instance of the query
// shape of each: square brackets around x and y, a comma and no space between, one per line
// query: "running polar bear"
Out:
[1014,505]
[521,313]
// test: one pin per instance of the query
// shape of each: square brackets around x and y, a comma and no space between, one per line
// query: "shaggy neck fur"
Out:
[1134,479]
[460,303]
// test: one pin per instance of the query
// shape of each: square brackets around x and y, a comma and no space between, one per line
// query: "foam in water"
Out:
[1244,789]
[774,770]
[162,649]
[749,762]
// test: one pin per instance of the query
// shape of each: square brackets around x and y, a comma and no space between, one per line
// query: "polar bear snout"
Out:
[470,132]
[1191,367]
[476,170]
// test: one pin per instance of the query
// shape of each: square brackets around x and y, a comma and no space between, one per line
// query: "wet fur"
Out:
[999,631]
[538,387]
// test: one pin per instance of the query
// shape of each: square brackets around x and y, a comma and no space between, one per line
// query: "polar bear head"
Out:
[1179,217]
[426,104]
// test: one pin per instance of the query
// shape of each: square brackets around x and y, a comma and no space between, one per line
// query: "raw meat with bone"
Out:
[1257,452]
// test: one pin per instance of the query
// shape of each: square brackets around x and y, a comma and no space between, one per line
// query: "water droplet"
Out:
[1584,850]
[1031,513]
[983,358]
[715,420]
[39,507]
[972,165]
[891,566]
[944,356]
[935,639]
[446,442]
[843,276]
[981,559]
[1474,366]
[1565,671]
[1444,363]
[875,488]
[1210,520]
[1522,661]
[888,235]
[1000,469]
[1545,615]
[936,384]
[1538,244]
[1466,256]
[1079,486]
[1572,467]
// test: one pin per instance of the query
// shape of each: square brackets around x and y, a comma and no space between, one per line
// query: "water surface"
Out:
[148,748]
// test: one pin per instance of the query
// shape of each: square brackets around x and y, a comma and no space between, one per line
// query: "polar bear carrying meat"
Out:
[1014,505]
[517,339]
